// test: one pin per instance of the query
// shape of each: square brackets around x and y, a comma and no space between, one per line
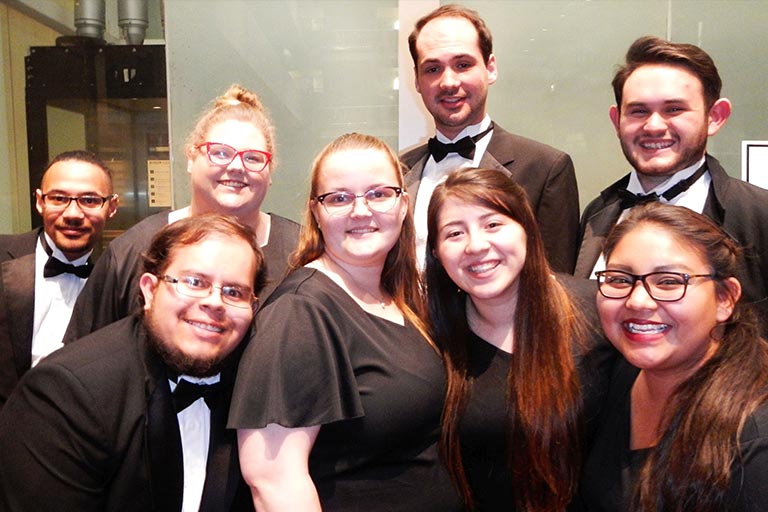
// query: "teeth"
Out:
[646,328]
[656,145]
[362,230]
[483,267]
[235,184]
[205,327]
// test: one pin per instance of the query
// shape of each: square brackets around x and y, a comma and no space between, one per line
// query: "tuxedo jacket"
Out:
[739,207]
[112,291]
[92,428]
[17,307]
[545,173]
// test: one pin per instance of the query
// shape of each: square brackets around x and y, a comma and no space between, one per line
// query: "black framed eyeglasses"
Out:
[198,287]
[218,153]
[661,286]
[86,202]
[379,199]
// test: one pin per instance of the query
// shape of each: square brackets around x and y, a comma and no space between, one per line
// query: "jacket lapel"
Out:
[19,288]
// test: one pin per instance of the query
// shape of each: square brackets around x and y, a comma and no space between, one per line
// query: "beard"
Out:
[659,171]
[179,362]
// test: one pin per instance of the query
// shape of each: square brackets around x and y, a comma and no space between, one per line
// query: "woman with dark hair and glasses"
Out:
[686,427]
[230,159]
[338,396]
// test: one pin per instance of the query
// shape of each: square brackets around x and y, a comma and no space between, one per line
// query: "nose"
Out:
[237,162]
[73,210]
[476,242]
[639,298]
[449,79]
[655,122]
[213,300]
[360,207]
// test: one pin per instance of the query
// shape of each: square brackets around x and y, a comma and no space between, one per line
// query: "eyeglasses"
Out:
[379,199]
[85,202]
[661,286]
[194,286]
[254,160]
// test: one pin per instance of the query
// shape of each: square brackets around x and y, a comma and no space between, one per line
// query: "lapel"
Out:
[499,154]
[222,472]
[596,228]
[19,288]
[166,468]
[412,177]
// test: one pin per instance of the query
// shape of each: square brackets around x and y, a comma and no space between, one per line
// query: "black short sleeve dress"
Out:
[375,387]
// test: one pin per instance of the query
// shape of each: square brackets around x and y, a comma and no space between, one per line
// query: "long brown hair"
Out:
[399,277]
[544,413]
[691,467]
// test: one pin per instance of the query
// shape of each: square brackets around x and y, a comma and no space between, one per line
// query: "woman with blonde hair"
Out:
[338,397]
[230,158]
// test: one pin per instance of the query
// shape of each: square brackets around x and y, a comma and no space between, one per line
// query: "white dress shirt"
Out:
[54,300]
[436,172]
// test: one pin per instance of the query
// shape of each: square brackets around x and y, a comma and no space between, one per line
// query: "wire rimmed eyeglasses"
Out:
[198,287]
[218,153]
[379,199]
[86,202]
[661,286]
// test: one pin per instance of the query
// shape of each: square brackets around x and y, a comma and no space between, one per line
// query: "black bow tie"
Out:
[187,392]
[464,147]
[630,199]
[54,267]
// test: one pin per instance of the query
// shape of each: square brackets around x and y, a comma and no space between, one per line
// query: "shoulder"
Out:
[305,285]
[410,157]
[606,196]
[504,141]
[140,235]
[283,229]
[15,246]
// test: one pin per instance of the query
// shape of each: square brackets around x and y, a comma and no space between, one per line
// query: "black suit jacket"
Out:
[739,207]
[17,307]
[547,176]
[92,427]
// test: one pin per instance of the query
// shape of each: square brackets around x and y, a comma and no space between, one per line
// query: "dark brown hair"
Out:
[399,276]
[240,104]
[192,230]
[649,50]
[542,384]
[484,37]
[691,467]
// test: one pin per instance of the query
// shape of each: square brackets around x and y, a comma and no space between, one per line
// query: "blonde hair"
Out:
[240,104]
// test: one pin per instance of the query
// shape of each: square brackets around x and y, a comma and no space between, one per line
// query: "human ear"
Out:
[727,299]
[148,285]
[718,115]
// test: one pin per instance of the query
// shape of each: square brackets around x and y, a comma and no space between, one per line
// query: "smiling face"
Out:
[230,189]
[362,237]
[665,338]
[663,122]
[451,75]
[481,250]
[195,335]
[75,230]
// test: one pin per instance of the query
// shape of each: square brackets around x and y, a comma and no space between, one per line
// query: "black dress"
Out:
[611,469]
[376,387]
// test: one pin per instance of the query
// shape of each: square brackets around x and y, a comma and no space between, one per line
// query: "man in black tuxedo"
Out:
[43,271]
[453,59]
[667,104]
[133,416]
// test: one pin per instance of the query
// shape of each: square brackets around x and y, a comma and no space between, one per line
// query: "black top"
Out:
[376,387]
[484,425]
[611,468]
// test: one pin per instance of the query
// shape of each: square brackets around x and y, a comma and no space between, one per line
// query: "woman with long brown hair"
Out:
[512,422]
[686,427]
